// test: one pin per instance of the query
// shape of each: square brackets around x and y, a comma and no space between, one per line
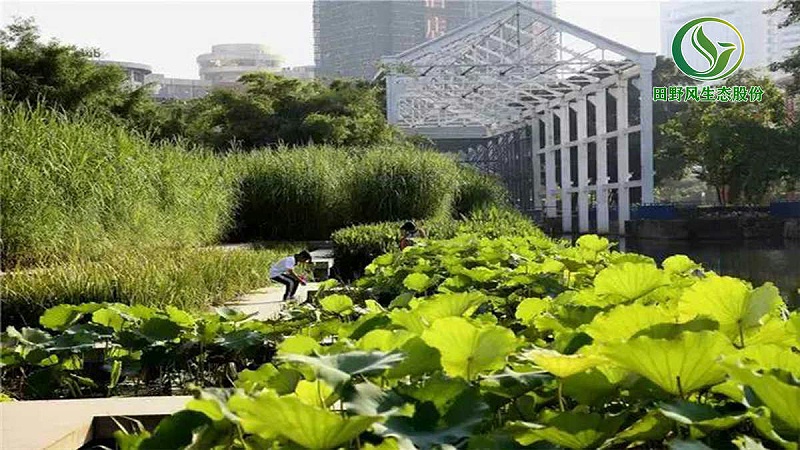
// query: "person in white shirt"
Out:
[283,272]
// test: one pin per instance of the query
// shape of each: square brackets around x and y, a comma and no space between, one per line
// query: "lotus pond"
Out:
[476,343]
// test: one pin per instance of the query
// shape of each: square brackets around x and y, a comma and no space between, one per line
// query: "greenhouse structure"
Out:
[585,98]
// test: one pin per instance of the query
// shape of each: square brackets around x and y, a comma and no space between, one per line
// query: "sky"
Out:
[169,35]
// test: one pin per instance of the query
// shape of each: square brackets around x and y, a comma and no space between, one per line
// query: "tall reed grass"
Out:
[292,193]
[80,186]
[191,279]
[402,182]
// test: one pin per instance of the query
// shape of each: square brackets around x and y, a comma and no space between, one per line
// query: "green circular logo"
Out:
[719,55]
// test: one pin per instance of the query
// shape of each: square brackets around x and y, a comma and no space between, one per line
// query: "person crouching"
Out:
[283,272]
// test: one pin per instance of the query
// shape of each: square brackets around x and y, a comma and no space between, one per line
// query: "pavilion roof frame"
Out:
[498,72]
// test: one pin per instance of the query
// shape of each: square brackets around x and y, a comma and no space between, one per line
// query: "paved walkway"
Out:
[268,302]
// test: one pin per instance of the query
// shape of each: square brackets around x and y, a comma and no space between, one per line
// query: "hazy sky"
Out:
[169,35]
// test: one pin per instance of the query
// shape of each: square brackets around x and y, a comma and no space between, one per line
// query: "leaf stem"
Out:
[560,396]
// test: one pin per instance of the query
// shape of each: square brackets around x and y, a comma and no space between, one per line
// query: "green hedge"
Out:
[478,191]
[356,246]
[78,185]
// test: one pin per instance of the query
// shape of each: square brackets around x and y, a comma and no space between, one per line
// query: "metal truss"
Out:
[520,67]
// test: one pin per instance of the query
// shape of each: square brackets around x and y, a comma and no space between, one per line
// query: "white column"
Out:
[566,180]
[537,165]
[550,165]
[646,122]
[583,166]
[623,175]
[602,162]
[392,88]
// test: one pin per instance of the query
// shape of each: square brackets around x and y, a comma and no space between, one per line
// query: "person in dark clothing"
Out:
[283,272]
[410,232]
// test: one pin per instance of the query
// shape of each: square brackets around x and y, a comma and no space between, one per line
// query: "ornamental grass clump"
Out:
[78,185]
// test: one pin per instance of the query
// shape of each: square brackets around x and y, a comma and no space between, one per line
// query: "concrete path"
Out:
[267,302]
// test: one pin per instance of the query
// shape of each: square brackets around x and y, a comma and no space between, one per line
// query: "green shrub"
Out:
[292,193]
[478,191]
[191,279]
[495,222]
[394,183]
[357,245]
[78,185]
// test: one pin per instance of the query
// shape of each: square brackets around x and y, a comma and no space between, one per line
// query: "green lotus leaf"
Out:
[748,443]
[384,340]
[384,260]
[364,324]
[232,315]
[703,416]
[529,308]
[568,429]
[270,416]
[782,399]
[652,427]
[480,274]
[679,366]
[159,329]
[251,380]
[337,369]
[625,321]
[730,302]
[679,264]
[446,411]
[409,320]
[513,384]
[591,387]
[299,344]
[467,350]
[175,431]
[420,358]
[774,330]
[563,366]
[771,356]
[109,317]
[417,282]
[182,318]
[448,305]
[629,280]
[367,399]
[337,304]
[593,242]
[763,423]
[315,393]
[60,317]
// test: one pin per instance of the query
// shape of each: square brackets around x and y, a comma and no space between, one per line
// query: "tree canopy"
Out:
[742,149]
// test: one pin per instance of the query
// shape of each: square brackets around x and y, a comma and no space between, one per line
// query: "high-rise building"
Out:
[764,41]
[351,37]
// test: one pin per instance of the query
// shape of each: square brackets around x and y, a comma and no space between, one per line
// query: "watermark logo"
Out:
[712,61]
[723,58]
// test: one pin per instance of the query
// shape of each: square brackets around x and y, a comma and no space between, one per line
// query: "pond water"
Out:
[755,261]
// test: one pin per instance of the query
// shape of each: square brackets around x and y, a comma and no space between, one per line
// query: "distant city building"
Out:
[350,37]
[136,72]
[298,72]
[765,43]
[227,62]
[177,88]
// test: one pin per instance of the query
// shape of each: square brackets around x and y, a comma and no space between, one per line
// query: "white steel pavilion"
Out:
[519,66]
